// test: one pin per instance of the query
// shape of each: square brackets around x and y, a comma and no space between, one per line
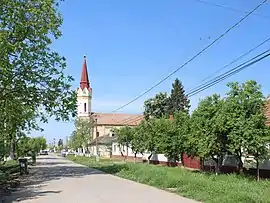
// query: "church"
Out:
[103,132]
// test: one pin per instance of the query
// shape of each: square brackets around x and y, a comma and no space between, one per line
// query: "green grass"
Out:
[195,185]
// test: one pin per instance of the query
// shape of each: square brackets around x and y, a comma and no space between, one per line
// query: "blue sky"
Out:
[131,45]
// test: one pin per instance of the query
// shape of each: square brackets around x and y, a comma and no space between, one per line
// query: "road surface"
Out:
[58,180]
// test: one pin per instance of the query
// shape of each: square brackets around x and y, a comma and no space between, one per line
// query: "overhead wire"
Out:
[195,56]
[230,72]
[229,64]
[223,76]
[229,8]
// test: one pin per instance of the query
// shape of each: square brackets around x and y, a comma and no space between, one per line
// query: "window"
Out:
[112,134]
[114,148]
[84,107]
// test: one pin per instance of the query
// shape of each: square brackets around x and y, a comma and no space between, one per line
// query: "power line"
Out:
[230,8]
[232,62]
[231,72]
[220,77]
[194,57]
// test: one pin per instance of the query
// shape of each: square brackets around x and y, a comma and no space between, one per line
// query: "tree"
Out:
[148,137]
[244,119]
[137,142]
[27,144]
[182,123]
[169,141]
[178,101]
[32,75]
[73,141]
[207,139]
[82,135]
[60,144]
[156,107]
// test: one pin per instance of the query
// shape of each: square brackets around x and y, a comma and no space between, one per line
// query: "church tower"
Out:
[84,94]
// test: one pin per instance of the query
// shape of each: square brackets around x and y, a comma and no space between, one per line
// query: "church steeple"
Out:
[84,94]
[84,77]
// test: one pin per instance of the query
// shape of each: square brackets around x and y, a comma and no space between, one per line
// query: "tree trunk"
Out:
[182,159]
[258,169]
[149,157]
[201,164]
[12,150]
[216,165]
[240,165]
[135,157]
[127,151]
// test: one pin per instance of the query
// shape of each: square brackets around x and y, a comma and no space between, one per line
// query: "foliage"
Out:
[33,85]
[167,139]
[149,138]
[82,135]
[177,100]
[29,144]
[156,107]
[138,141]
[234,125]
[244,116]
[207,138]
[199,186]
[125,135]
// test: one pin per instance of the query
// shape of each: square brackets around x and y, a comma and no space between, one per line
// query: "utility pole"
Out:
[92,129]
[97,134]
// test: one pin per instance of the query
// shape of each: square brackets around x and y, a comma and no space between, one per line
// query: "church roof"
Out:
[118,119]
[84,83]
[103,140]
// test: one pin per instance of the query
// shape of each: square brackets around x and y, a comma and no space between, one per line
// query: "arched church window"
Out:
[84,107]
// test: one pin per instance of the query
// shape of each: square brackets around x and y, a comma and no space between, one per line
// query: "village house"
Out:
[104,123]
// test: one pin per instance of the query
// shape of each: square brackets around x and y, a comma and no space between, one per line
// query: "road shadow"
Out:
[42,173]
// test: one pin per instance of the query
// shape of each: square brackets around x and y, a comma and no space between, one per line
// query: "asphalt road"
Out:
[57,180]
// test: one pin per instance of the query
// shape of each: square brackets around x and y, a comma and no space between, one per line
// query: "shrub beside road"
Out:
[9,173]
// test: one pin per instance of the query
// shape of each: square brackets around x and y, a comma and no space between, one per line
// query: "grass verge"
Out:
[195,185]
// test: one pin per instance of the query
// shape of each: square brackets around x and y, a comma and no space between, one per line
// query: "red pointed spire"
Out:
[84,78]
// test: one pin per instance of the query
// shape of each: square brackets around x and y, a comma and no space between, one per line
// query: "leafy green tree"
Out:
[32,75]
[82,135]
[137,143]
[156,107]
[23,146]
[38,143]
[60,144]
[125,136]
[27,144]
[149,137]
[207,139]
[73,142]
[181,121]
[244,119]
[178,101]
[168,140]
